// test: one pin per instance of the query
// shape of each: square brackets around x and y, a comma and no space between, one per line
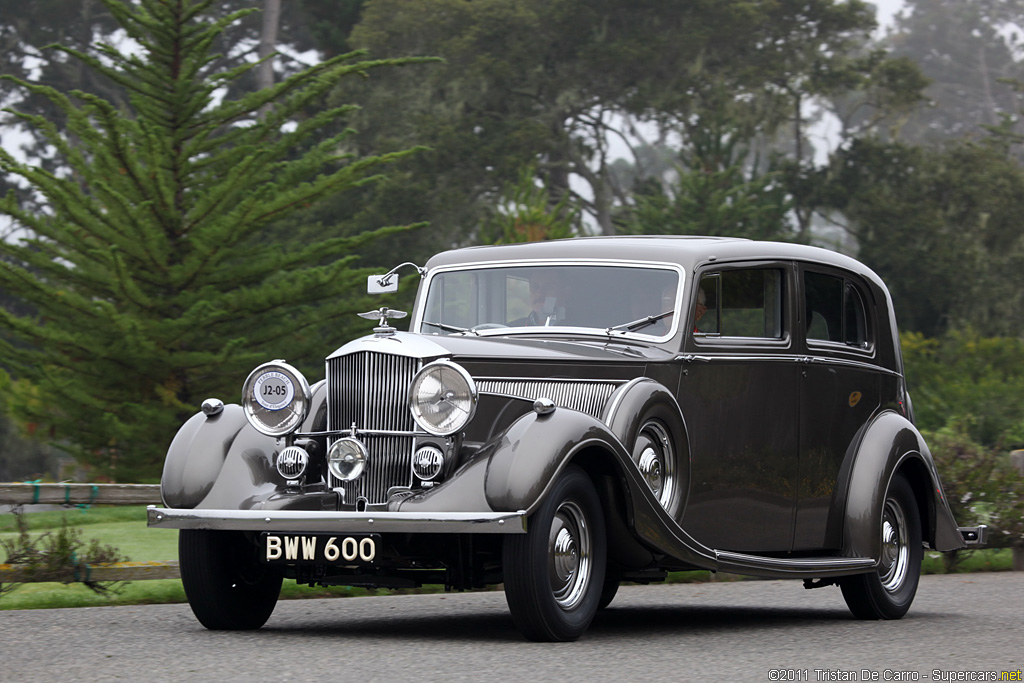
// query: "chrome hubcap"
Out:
[570,562]
[895,558]
[656,460]
[651,469]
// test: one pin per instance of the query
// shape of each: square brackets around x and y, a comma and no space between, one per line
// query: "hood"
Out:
[510,348]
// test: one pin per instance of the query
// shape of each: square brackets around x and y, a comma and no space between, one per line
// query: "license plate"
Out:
[319,548]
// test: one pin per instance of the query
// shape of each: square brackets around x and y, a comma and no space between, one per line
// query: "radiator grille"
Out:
[370,390]
[585,396]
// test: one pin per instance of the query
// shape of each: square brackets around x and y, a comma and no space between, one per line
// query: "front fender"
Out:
[534,450]
[217,461]
[514,470]
[890,444]
[196,456]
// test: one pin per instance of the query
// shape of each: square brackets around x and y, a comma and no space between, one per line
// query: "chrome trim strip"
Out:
[307,521]
[786,358]
[416,319]
[567,380]
[360,432]
[733,358]
[860,365]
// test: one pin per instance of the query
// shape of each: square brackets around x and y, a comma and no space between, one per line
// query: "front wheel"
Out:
[888,592]
[227,587]
[554,573]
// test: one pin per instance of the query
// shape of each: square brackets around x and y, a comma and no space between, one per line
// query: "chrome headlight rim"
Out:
[295,398]
[464,413]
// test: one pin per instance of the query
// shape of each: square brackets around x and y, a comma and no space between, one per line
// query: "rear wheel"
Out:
[888,592]
[554,574]
[655,456]
[228,588]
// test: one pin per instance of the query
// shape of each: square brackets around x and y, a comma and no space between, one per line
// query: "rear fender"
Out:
[892,444]
[643,399]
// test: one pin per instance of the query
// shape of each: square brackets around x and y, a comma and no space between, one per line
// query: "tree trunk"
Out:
[268,41]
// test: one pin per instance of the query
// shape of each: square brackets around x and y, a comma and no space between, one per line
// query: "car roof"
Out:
[686,251]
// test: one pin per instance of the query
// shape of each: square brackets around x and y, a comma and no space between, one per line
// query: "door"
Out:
[840,390]
[739,394]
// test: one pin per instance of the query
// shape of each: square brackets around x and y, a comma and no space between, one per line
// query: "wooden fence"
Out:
[89,494]
[149,494]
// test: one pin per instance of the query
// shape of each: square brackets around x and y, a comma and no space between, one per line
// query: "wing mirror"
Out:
[387,283]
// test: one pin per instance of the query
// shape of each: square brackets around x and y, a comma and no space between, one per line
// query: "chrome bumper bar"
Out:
[299,521]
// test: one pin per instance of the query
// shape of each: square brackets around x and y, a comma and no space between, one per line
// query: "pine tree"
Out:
[151,285]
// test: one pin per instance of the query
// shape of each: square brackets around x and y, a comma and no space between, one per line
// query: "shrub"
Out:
[60,556]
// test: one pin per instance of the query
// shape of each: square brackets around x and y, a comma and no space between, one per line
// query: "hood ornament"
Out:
[383,314]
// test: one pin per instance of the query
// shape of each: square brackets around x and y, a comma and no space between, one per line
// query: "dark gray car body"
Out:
[783,448]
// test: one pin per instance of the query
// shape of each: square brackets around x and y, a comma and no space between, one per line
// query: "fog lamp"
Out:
[346,458]
[427,462]
[292,462]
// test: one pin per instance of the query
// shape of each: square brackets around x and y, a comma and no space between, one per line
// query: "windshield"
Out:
[621,299]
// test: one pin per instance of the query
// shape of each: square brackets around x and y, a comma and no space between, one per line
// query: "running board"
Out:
[806,567]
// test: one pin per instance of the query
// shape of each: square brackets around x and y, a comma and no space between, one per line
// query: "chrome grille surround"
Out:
[586,396]
[367,390]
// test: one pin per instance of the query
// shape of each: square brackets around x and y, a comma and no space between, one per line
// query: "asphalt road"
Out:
[691,632]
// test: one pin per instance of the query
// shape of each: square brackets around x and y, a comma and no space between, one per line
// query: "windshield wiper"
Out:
[639,324]
[451,328]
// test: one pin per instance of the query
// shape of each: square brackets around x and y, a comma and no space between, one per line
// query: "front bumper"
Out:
[307,521]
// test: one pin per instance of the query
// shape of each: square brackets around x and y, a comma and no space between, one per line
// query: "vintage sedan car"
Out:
[568,415]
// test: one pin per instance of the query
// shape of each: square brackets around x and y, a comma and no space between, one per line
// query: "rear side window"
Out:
[834,311]
[740,303]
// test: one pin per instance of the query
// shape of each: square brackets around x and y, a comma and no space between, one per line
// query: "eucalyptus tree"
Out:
[967,50]
[569,87]
[941,226]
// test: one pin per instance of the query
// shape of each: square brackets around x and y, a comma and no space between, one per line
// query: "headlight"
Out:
[442,398]
[275,398]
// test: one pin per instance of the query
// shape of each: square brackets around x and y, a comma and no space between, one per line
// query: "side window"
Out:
[834,311]
[740,303]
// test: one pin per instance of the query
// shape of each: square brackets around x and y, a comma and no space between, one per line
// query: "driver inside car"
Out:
[548,293]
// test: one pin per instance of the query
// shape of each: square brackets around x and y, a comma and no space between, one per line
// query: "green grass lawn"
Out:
[125,528]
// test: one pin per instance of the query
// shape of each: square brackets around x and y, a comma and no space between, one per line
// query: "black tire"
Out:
[554,573]
[888,592]
[227,587]
[609,591]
